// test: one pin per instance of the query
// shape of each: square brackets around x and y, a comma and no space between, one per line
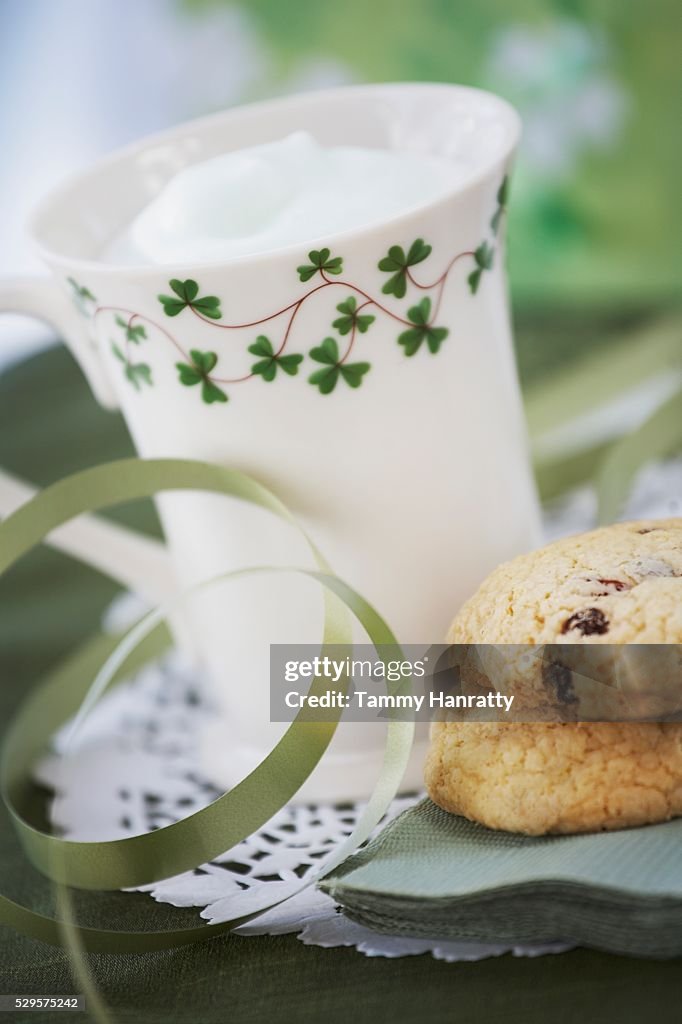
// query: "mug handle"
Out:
[137,562]
[42,298]
[140,563]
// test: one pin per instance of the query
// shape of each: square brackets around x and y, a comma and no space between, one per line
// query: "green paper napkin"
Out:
[432,874]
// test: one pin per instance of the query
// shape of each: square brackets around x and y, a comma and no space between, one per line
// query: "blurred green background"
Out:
[597,211]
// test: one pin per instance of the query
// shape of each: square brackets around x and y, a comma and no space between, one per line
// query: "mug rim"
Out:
[46,206]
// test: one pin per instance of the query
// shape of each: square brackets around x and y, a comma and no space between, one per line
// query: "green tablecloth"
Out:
[49,425]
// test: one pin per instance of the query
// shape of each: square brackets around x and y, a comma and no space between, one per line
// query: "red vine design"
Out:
[419,324]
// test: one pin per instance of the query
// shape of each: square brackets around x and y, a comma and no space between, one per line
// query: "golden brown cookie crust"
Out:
[629,575]
[559,777]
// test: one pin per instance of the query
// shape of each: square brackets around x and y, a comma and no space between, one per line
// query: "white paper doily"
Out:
[134,768]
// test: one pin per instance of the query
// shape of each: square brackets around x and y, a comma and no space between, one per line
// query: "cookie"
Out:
[618,585]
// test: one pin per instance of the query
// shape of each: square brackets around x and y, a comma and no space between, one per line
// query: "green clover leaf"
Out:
[186,295]
[206,361]
[81,291]
[185,292]
[268,365]
[326,352]
[397,262]
[188,375]
[83,298]
[483,257]
[353,373]
[197,372]
[418,252]
[208,305]
[327,378]
[351,318]
[262,346]
[321,261]
[133,334]
[413,338]
[502,199]
[474,279]
[210,393]
[137,373]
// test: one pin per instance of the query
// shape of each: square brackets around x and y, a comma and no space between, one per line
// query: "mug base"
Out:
[337,778]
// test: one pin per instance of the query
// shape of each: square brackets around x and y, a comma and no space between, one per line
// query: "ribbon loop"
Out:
[138,860]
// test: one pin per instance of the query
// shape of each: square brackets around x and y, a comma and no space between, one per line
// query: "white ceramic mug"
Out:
[368,379]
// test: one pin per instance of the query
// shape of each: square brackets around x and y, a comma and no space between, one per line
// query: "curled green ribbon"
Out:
[209,832]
